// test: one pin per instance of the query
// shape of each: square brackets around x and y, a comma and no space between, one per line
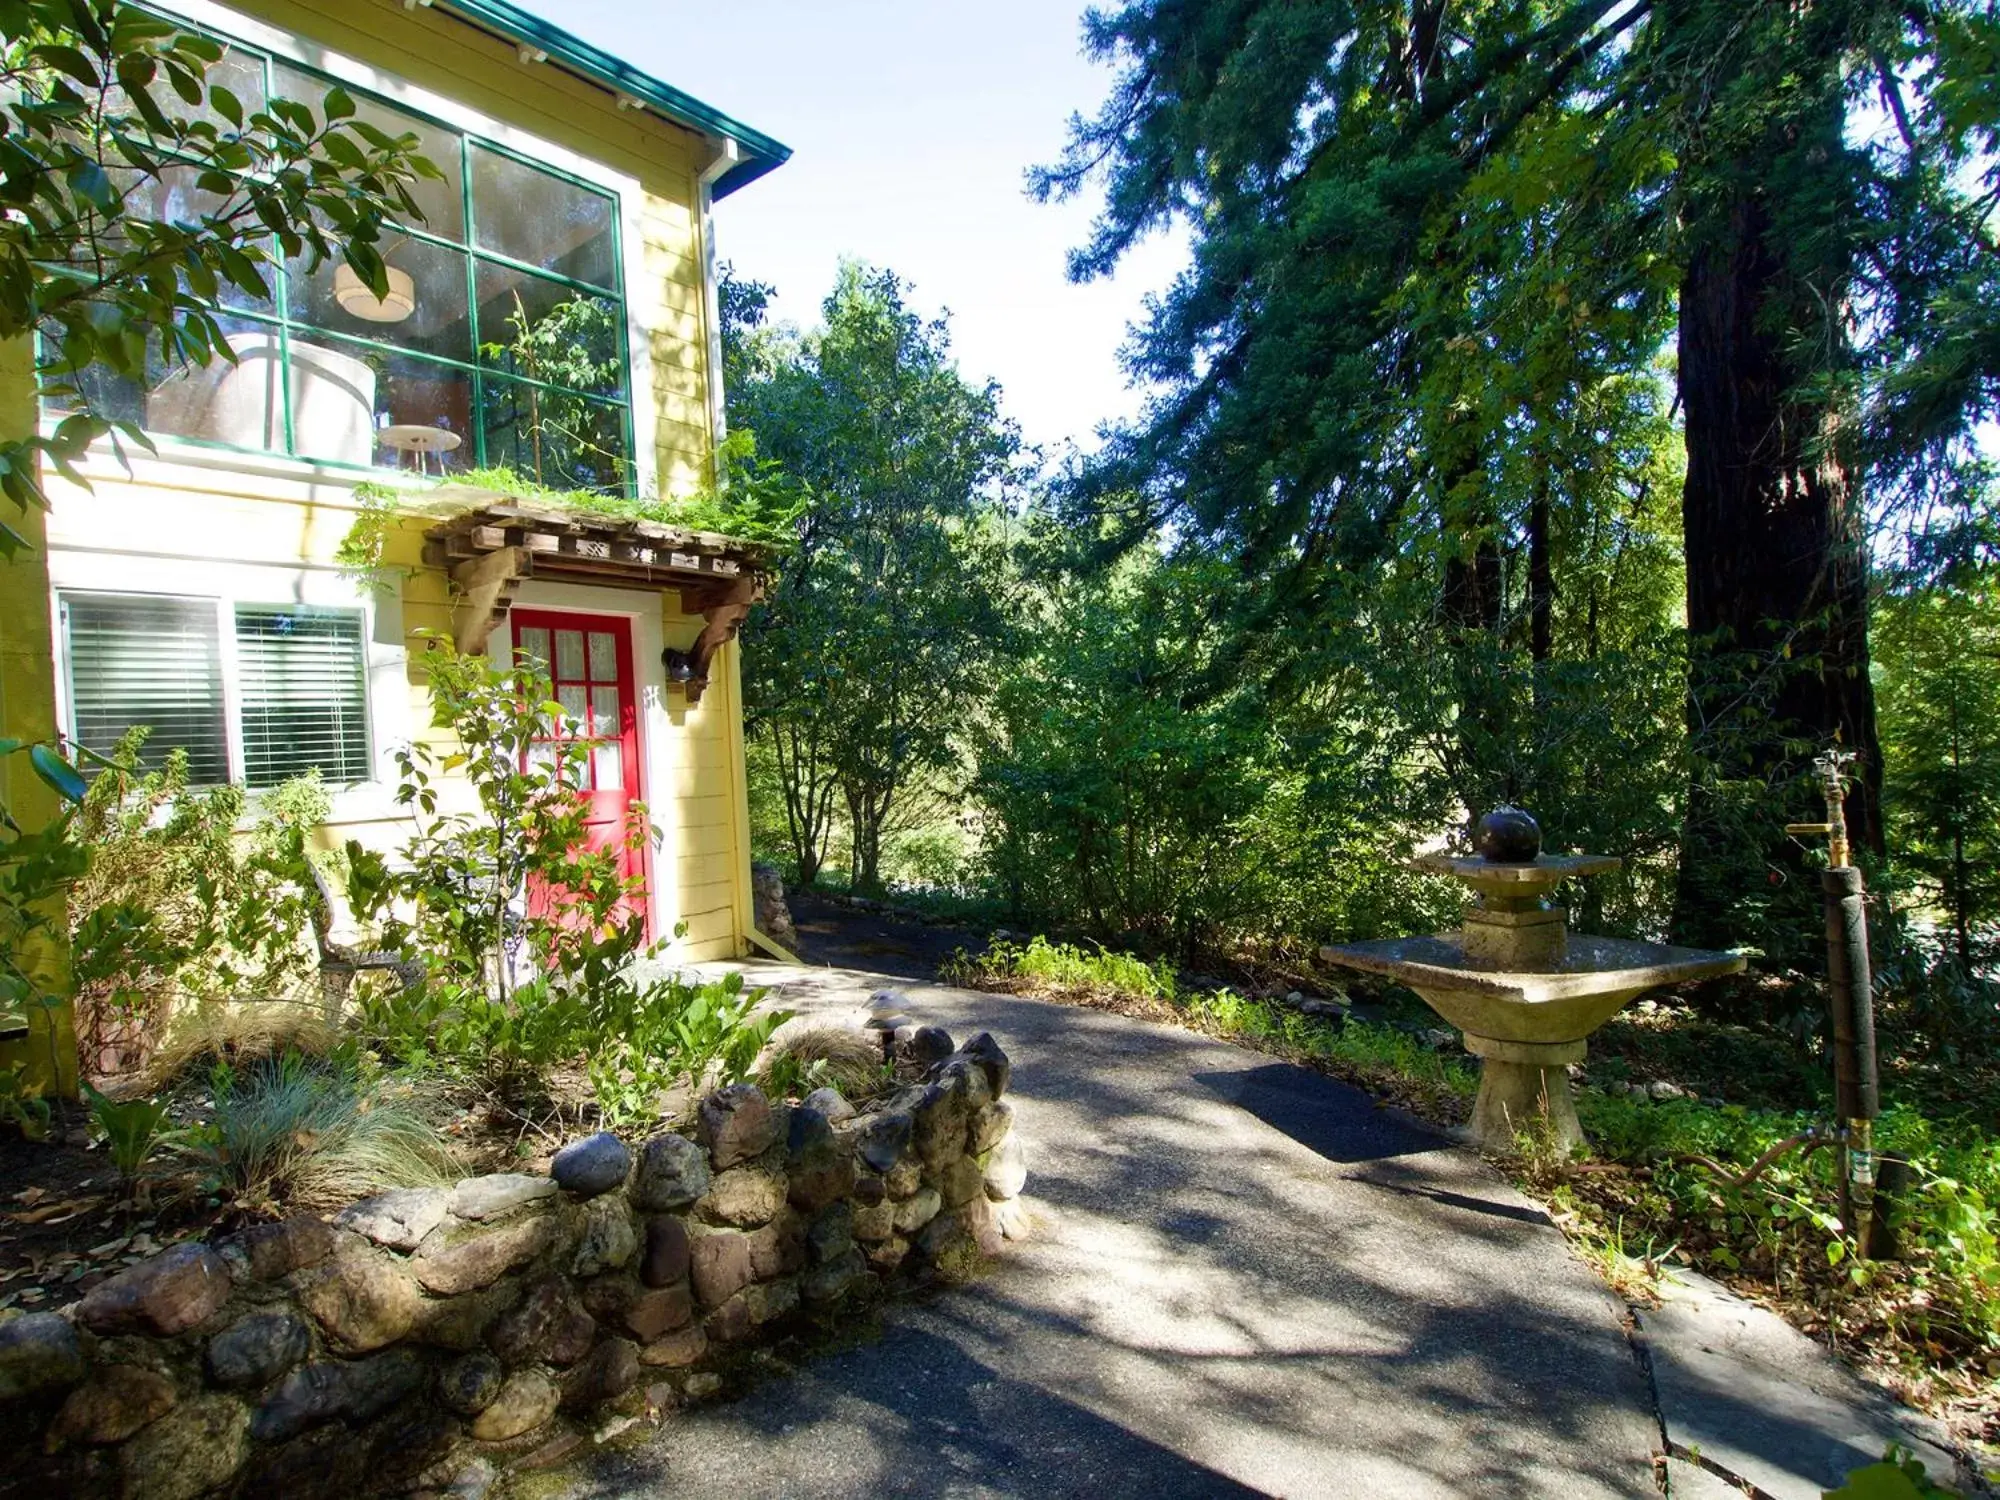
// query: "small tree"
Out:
[888,614]
[495,901]
[522,932]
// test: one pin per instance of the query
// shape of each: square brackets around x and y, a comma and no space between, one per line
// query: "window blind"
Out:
[303,684]
[145,659]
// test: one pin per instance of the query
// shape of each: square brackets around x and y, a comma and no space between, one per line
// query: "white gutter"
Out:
[727,155]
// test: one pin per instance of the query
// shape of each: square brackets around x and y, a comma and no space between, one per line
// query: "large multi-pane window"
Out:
[501,341]
[256,693]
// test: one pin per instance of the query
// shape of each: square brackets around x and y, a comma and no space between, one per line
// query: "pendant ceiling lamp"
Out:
[355,298]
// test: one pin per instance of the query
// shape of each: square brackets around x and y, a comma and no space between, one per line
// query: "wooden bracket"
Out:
[723,608]
[486,590]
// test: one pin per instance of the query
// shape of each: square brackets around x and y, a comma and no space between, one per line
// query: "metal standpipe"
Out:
[1850,997]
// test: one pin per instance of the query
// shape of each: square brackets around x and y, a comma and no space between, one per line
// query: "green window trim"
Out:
[479,372]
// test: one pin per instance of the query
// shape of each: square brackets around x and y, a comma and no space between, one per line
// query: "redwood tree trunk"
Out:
[1777,587]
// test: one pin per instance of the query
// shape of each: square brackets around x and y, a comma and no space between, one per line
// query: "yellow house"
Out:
[555,315]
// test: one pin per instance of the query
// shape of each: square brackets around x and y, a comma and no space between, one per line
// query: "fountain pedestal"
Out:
[1522,989]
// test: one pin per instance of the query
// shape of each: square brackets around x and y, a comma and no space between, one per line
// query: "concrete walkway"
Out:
[1247,1279]
[1752,1406]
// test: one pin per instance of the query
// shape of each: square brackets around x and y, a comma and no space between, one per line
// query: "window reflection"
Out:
[554,438]
[541,329]
[427,311]
[543,220]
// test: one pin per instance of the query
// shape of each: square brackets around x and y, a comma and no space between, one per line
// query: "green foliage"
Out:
[134,1130]
[307,1132]
[752,501]
[676,1032]
[22,1104]
[1066,968]
[181,904]
[518,923]
[566,439]
[1784,1225]
[1899,1476]
[104,101]
[1939,648]
[361,550]
[38,870]
[886,620]
[1411,389]
[525,934]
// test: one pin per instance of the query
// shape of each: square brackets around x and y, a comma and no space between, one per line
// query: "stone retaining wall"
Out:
[427,1338]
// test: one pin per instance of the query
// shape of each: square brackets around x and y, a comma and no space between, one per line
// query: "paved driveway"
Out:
[1247,1280]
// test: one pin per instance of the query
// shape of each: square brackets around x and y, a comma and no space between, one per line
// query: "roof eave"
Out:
[760,152]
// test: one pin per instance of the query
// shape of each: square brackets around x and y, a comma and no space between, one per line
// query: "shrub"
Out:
[804,1056]
[177,907]
[458,900]
[311,1133]
[1064,969]
[526,937]
[673,1031]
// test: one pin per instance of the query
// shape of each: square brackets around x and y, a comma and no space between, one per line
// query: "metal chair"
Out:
[339,962]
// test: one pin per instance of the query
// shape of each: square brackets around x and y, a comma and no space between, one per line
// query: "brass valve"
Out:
[1831,768]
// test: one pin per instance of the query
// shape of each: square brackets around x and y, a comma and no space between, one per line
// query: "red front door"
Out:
[589,658]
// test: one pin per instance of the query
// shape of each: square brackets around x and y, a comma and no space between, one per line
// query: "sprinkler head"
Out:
[1508,836]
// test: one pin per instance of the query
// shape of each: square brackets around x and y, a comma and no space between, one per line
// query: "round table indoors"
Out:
[413,437]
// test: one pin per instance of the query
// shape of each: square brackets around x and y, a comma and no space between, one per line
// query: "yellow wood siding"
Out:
[28,713]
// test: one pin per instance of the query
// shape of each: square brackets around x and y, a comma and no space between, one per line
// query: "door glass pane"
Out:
[603,656]
[441,201]
[604,712]
[569,655]
[571,699]
[609,766]
[529,215]
[533,640]
[426,308]
[548,332]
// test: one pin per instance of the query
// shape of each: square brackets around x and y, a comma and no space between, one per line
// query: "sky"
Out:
[911,124]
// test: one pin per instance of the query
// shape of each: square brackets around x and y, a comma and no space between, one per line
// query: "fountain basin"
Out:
[1523,990]
[1587,986]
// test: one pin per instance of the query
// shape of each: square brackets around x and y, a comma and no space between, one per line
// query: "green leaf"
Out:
[59,774]
[66,59]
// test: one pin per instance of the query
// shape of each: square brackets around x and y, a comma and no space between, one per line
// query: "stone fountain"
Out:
[1522,988]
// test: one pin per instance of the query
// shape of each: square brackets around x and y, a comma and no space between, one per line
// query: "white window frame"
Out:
[387,699]
[624,187]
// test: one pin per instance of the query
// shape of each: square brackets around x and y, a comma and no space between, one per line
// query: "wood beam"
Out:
[485,587]
[723,609]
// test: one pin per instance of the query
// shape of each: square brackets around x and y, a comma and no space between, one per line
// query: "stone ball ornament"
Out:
[1508,836]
